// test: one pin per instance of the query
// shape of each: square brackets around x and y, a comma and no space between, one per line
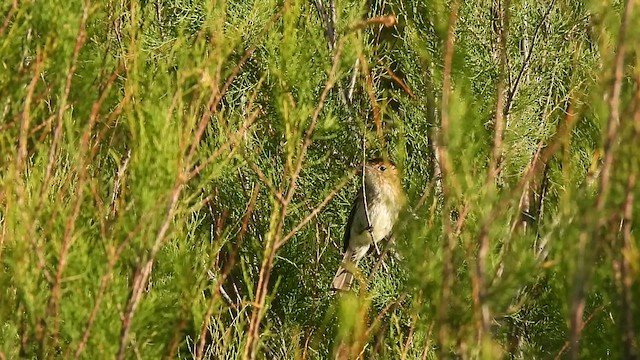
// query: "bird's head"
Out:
[383,176]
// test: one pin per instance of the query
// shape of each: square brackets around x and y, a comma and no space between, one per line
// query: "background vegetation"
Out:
[176,176]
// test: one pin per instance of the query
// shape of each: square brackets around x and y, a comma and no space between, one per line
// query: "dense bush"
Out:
[177,176]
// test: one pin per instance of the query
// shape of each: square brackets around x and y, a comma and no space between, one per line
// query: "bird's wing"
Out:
[356,223]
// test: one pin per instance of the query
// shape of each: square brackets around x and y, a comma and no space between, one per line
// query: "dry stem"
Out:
[442,158]
[274,239]
[613,122]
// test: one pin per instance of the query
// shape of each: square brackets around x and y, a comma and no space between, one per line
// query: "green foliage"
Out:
[177,178]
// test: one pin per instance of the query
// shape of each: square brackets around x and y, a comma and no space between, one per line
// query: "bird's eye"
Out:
[383,168]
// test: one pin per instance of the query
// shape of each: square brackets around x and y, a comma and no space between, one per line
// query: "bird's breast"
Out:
[381,218]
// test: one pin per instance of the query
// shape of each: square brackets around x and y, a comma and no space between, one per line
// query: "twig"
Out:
[525,64]
[177,338]
[3,234]
[118,183]
[384,311]
[401,83]
[53,307]
[235,138]
[329,22]
[380,261]
[581,276]
[443,165]
[500,115]
[313,213]
[270,249]
[425,351]
[372,98]
[306,345]
[11,123]
[582,326]
[535,168]
[363,177]
[412,328]
[5,25]
[57,137]
[104,282]
[352,83]
[200,352]
[386,21]
[625,281]
[478,280]
[461,219]
[314,119]
[142,274]
[328,18]
[113,117]
[21,159]
[216,96]
[265,180]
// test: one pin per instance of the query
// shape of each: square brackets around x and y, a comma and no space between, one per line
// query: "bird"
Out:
[384,199]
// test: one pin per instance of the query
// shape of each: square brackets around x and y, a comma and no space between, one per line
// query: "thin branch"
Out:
[200,352]
[313,213]
[142,274]
[47,91]
[442,159]
[427,344]
[414,321]
[53,308]
[328,19]
[525,64]
[117,184]
[104,282]
[21,159]
[384,311]
[216,96]
[363,177]
[265,180]
[234,139]
[372,98]
[57,137]
[3,233]
[386,21]
[399,81]
[566,345]
[314,119]
[534,170]
[381,255]
[500,114]
[581,275]
[352,83]
[625,281]
[273,239]
[479,280]
[5,25]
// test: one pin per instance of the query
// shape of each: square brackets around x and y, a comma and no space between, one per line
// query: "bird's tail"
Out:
[343,279]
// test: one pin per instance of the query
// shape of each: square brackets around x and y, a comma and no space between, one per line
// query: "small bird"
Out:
[384,200]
